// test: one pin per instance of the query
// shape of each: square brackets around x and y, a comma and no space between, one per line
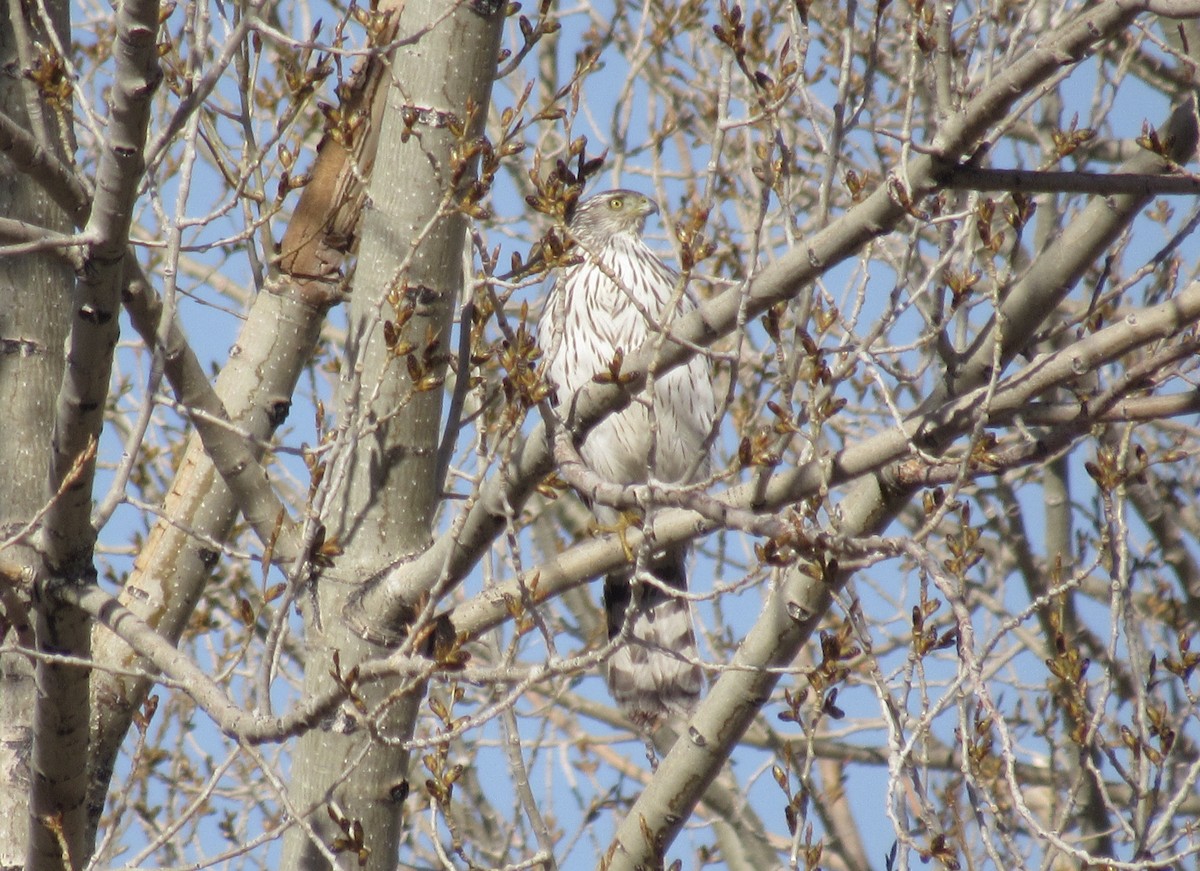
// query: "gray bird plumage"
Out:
[620,296]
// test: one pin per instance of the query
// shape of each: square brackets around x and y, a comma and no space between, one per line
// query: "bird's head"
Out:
[600,217]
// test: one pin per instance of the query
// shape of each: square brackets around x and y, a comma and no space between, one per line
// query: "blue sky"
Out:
[885,592]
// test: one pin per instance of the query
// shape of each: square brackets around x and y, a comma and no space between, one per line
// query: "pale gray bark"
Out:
[796,609]
[955,418]
[382,471]
[35,295]
[386,601]
[384,489]
[234,421]
[799,602]
[255,387]
[58,806]
[219,476]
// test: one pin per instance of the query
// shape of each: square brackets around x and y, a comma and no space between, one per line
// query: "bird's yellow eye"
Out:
[615,203]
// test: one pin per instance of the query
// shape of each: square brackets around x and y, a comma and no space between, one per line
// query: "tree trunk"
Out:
[35,299]
[383,487]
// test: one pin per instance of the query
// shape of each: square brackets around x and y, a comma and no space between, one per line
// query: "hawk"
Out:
[618,298]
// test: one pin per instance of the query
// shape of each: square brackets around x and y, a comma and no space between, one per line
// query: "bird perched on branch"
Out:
[619,297]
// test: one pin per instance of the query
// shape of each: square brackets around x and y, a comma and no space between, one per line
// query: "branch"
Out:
[253,392]
[379,496]
[58,808]
[28,238]
[162,656]
[57,179]
[965,177]
[234,448]
[1012,398]
[798,604]
[230,441]
[1158,508]
[1072,418]
[235,453]
[387,602]
[94,329]
[1170,8]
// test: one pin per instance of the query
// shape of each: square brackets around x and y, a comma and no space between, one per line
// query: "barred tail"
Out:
[654,672]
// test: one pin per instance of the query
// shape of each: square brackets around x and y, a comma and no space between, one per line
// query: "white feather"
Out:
[587,318]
